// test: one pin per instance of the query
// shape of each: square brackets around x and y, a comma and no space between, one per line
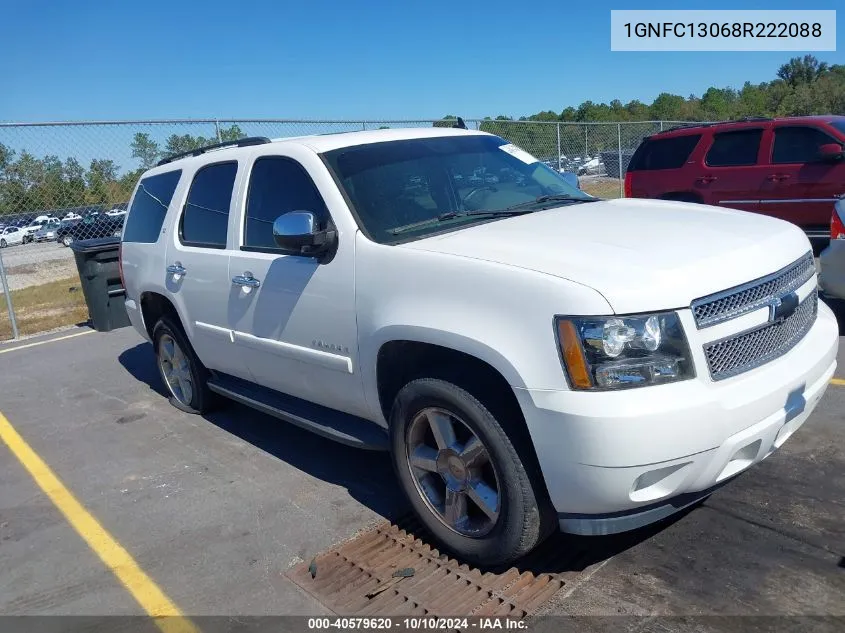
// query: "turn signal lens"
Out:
[573,356]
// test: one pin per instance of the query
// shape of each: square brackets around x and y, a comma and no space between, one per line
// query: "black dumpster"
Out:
[99,272]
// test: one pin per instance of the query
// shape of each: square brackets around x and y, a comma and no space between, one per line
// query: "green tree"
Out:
[145,150]
[802,70]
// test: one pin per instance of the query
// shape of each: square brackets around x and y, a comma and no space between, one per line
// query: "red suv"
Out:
[791,168]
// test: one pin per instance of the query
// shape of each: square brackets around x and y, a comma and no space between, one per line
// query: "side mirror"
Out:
[297,233]
[830,151]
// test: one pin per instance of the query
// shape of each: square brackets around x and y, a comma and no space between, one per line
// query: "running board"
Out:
[334,425]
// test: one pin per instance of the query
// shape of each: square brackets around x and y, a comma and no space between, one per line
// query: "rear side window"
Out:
[663,153]
[798,144]
[732,149]
[146,215]
[277,185]
[205,220]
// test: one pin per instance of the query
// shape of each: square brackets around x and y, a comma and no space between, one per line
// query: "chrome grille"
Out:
[747,350]
[753,295]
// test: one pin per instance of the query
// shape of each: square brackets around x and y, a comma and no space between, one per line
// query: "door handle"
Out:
[176,269]
[246,280]
[706,179]
[778,177]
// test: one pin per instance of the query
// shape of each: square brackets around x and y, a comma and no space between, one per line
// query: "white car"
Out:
[116,213]
[11,235]
[70,215]
[532,357]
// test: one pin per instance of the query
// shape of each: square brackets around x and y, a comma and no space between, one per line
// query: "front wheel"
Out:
[3,244]
[67,240]
[183,374]
[462,474]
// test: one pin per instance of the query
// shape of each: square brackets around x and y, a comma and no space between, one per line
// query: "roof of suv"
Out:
[319,143]
[747,121]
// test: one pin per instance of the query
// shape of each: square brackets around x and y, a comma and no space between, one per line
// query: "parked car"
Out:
[832,258]
[11,235]
[790,168]
[47,232]
[30,229]
[89,227]
[70,215]
[534,358]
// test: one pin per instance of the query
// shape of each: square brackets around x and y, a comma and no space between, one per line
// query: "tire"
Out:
[67,240]
[518,526]
[201,399]
[3,244]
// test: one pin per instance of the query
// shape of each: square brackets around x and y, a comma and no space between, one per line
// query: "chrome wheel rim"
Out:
[453,472]
[175,369]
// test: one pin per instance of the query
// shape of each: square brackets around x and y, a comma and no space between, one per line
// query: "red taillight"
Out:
[628,184]
[837,228]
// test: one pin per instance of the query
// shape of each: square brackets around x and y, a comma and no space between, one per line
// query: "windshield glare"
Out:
[399,183]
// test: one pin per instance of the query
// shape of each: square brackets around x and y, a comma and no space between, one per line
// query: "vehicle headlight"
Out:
[621,352]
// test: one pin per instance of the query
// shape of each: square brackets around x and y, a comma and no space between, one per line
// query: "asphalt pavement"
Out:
[213,511]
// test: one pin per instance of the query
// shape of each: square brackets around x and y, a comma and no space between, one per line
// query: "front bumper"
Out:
[613,461]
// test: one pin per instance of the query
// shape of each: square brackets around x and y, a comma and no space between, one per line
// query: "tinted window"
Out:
[404,190]
[731,149]
[798,144]
[663,153]
[149,207]
[276,186]
[206,217]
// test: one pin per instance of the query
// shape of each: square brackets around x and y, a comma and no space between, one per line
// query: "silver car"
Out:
[832,258]
[46,233]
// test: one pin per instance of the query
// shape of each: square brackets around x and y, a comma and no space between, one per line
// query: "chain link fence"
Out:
[62,182]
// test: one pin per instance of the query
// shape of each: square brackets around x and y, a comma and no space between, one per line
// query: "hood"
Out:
[642,255]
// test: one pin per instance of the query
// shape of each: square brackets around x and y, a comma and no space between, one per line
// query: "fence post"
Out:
[558,148]
[586,143]
[364,126]
[619,145]
[661,126]
[8,294]
[217,129]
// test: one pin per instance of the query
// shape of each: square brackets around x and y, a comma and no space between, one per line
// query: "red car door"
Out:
[801,186]
[730,174]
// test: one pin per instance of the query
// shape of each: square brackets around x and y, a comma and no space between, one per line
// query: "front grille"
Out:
[753,295]
[747,350]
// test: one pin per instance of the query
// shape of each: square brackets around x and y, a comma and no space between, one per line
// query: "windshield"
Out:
[409,189]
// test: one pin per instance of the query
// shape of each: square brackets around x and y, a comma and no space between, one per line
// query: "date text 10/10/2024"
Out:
[417,623]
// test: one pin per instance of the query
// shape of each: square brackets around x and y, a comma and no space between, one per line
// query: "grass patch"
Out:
[602,187]
[45,307]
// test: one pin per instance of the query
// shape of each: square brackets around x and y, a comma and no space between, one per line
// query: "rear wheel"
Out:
[3,243]
[462,473]
[183,374]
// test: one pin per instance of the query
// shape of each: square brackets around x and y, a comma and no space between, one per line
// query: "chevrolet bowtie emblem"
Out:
[782,308]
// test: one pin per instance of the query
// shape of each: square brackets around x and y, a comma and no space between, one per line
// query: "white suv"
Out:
[534,358]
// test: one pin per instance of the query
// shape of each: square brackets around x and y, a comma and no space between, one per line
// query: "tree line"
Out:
[802,86]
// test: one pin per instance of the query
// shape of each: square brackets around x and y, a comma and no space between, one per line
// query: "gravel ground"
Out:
[33,264]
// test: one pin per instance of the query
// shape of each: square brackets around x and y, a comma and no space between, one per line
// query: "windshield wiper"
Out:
[448,215]
[514,209]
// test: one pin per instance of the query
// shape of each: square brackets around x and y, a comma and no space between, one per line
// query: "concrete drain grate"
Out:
[364,577]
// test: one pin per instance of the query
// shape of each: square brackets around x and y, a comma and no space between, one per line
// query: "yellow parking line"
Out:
[837,381]
[51,340]
[152,599]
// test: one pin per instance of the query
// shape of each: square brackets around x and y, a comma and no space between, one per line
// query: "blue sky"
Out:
[382,59]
